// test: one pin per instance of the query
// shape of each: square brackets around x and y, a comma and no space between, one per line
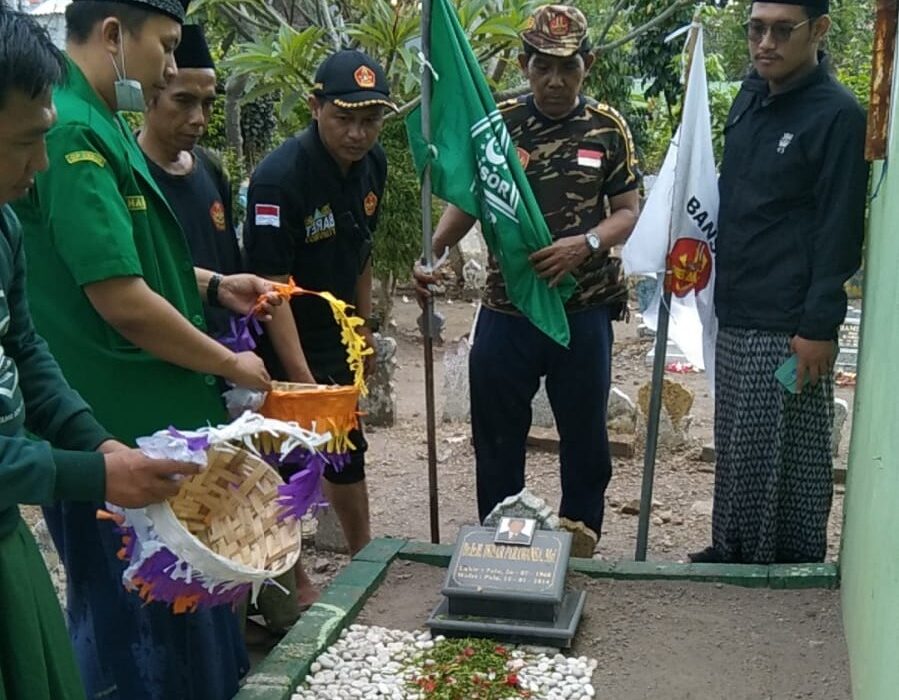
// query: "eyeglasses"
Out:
[781,32]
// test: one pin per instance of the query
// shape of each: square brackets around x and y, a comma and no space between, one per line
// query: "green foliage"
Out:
[398,239]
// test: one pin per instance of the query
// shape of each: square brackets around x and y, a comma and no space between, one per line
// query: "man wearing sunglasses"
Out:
[791,226]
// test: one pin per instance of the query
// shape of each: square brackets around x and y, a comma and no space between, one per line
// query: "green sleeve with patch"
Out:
[90,224]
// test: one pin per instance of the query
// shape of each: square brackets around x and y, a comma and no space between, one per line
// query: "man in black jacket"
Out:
[791,226]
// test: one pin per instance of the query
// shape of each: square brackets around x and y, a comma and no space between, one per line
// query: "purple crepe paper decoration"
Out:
[303,492]
[155,573]
[199,443]
[240,337]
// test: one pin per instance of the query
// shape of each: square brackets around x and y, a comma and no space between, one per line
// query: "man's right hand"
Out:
[247,370]
[423,279]
[133,480]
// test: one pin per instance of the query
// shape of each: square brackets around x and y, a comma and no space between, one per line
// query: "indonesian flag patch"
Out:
[268,215]
[590,158]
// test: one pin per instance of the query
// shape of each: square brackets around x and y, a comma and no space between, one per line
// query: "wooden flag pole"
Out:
[658,368]
[430,327]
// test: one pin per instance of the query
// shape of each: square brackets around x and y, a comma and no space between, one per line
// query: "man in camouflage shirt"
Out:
[579,159]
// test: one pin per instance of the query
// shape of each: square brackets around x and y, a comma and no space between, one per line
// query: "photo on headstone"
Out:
[518,531]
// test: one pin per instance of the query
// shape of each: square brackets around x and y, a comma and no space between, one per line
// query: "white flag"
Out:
[678,228]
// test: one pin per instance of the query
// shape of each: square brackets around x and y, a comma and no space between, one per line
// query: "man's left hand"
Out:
[240,293]
[370,359]
[563,256]
[814,358]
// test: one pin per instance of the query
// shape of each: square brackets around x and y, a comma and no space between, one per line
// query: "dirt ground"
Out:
[397,457]
[675,641]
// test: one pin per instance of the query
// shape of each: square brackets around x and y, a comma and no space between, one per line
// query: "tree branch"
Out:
[610,22]
[651,24]
[325,13]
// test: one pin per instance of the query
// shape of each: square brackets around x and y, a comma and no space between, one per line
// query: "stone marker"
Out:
[329,535]
[508,592]
[379,406]
[456,401]
[583,538]
[840,416]
[524,505]
[622,413]
[674,420]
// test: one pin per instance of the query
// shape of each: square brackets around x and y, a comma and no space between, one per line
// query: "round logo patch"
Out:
[217,214]
[559,25]
[371,204]
[690,263]
[365,77]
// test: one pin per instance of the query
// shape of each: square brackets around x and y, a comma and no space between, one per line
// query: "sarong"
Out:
[773,479]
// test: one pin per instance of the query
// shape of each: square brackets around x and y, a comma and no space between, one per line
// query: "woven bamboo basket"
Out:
[231,509]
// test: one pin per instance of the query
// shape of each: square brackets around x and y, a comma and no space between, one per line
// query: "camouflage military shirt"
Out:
[573,165]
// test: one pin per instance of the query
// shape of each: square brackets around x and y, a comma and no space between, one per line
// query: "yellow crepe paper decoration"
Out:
[356,347]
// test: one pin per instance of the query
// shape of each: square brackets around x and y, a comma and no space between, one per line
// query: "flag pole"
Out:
[429,325]
[658,367]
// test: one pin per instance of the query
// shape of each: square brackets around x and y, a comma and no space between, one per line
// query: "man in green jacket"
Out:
[75,458]
[113,289]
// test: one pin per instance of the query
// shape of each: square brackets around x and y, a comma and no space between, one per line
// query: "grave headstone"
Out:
[509,592]
[849,337]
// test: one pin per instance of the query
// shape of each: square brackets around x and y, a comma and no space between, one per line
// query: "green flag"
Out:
[475,166]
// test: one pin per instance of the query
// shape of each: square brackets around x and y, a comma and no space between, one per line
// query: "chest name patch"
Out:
[136,203]
[268,215]
[590,158]
[85,157]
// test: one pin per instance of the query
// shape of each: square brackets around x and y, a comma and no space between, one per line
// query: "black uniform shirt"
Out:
[791,224]
[201,201]
[308,220]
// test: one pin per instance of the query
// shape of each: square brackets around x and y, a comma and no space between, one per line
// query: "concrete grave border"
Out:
[277,677]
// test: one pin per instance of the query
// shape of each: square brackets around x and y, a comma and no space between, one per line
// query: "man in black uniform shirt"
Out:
[790,231]
[311,209]
[191,180]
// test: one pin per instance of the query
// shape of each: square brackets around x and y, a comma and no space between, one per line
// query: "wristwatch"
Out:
[593,242]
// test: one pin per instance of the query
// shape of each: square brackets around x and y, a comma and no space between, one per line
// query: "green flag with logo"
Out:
[475,166]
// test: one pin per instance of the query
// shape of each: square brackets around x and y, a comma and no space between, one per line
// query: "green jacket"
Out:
[34,396]
[97,214]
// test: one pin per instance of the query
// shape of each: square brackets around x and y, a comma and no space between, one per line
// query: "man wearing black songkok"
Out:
[791,225]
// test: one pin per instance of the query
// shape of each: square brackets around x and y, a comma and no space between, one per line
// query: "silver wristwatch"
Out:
[593,242]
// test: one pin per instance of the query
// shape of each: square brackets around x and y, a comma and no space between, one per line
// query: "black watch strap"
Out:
[212,290]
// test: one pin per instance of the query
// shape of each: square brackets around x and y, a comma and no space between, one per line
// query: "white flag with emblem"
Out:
[678,229]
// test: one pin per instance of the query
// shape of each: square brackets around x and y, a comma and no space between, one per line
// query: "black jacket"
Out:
[793,190]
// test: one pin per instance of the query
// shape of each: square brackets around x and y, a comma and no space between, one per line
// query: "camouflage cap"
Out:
[557,30]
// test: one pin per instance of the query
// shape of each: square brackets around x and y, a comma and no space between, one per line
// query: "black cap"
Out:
[352,79]
[193,51]
[822,6]
[170,8]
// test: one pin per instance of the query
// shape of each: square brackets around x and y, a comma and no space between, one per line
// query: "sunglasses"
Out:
[781,32]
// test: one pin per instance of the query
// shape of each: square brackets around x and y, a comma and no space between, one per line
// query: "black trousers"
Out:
[508,358]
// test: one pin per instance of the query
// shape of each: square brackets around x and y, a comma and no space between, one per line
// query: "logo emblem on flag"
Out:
[365,77]
[590,158]
[500,193]
[268,215]
[690,263]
